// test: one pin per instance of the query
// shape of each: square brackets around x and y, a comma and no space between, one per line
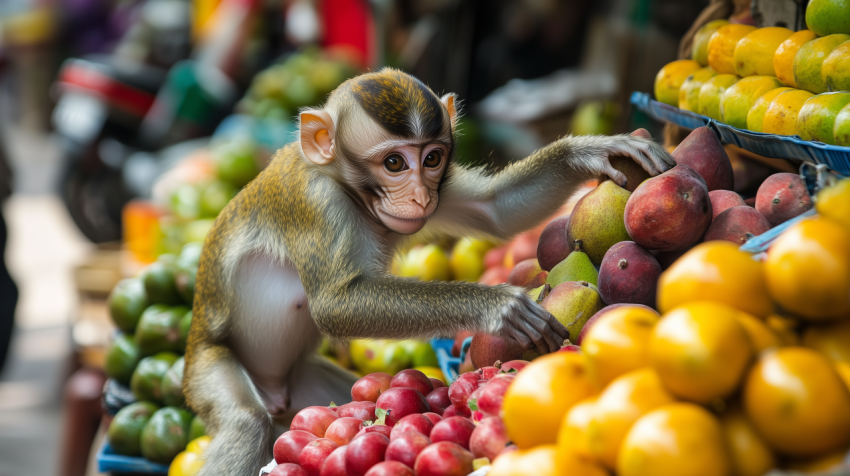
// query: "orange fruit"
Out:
[754,52]
[749,453]
[780,117]
[797,402]
[715,271]
[540,396]
[539,461]
[808,269]
[572,436]
[624,400]
[818,464]
[699,50]
[186,463]
[617,343]
[783,58]
[832,340]
[761,336]
[834,202]
[843,369]
[689,91]
[700,351]
[721,47]
[738,99]
[755,117]
[670,78]
[784,328]
[680,439]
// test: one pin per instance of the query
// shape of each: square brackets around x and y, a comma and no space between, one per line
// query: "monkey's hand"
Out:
[524,321]
[651,156]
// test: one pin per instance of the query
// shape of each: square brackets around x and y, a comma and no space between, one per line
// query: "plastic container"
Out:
[835,157]
[448,364]
[109,462]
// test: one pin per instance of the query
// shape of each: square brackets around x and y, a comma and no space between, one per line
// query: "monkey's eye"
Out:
[433,159]
[394,163]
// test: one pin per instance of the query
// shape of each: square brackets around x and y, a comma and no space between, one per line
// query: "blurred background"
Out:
[127,125]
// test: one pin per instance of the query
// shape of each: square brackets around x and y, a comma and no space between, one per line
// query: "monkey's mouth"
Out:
[405,220]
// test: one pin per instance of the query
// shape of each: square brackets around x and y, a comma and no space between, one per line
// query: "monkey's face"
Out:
[408,181]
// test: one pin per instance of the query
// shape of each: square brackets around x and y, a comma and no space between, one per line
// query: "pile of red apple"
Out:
[404,425]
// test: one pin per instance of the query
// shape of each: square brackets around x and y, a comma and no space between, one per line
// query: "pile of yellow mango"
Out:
[746,369]
[772,79]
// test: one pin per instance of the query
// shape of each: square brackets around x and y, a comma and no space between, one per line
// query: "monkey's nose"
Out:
[421,196]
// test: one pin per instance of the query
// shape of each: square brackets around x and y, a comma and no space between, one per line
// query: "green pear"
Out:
[539,293]
[575,267]
[597,220]
[573,303]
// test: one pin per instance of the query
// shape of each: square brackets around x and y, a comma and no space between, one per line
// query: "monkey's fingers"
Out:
[512,332]
[618,177]
[541,325]
[558,328]
[638,150]
[659,156]
[539,338]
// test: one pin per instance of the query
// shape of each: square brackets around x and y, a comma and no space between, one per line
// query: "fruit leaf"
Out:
[332,405]
[473,404]
[382,416]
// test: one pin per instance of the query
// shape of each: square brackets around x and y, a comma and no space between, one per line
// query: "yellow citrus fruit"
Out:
[199,444]
[572,436]
[843,369]
[809,60]
[826,17]
[754,52]
[689,91]
[835,70]
[736,101]
[467,259]
[670,78]
[530,462]
[432,372]
[624,400]
[808,269]
[816,119]
[818,464]
[721,47]
[797,402]
[185,463]
[715,271]
[617,343]
[783,59]
[700,351]
[834,202]
[761,336]
[749,453]
[711,91]
[832,340]
[841,131]
[699,50]
[780,117]
[755,117]
[680,439]
[540,396]
[785,329]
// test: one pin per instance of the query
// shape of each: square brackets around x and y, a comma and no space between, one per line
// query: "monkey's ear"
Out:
[449,101]
[317,136]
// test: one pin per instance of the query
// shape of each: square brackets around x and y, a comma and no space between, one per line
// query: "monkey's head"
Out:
[388,139]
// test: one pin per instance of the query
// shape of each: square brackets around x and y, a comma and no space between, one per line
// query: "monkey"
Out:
[304,249]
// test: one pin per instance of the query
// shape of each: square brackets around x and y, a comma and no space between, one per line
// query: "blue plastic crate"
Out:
[835,157]
[109,462]
[449,364]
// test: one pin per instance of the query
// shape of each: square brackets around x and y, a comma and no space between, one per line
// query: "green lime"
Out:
[422,355]
[235,163]
[127,301]
[166,434]
[159,329]
[185,202]
[197,429]
[158,278]
[147,378]
[172,385]
[125,431]
[215,196]
[122,356]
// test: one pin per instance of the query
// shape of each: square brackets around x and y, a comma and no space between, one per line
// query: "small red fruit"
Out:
[492,396]
[359,410]
[370,387]
[314,419]
[288,469]
[439,400]
[380,429]
[416,422]
[314,455]
[443,459]
[406,447]
[437,383]
[513,365]
[400,402]
[489,438]
[412,378]
[343,430]
[288,446]
[364,452]
[461,389]
[390,468]
[455,429]
[433,417]
[454,410]
[335,463]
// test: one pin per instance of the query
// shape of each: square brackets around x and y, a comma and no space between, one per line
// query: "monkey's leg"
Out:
[317,381]
[226,399]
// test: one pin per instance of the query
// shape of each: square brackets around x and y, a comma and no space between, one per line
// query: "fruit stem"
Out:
[544,292]
[577,245]
[497,364]
[623,264]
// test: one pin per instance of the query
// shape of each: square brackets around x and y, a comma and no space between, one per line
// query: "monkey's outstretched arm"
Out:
[529,190]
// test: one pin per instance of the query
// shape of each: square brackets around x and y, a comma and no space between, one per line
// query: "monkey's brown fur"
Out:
[299,216]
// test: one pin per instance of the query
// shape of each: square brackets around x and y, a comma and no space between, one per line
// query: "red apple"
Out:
[288,469]
[737,225]
[359,410]
[443,459]
[370,387]
[343,430]
[380,429]
[364,452]
[402,401]
[492,395]
[406,447]
[454,410]
[313,455]
[438,400]
[437,382]
[412,378]
[390,468]
[433,417]
[461,389]
[722,200]
[288,446]
[335,463]
[455,429]
[524,272]
[554,245]
[489,438]
[781,197]
[314,419]
[486,373]
[416,422]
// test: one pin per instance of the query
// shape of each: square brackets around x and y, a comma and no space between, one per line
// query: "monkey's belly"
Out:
[273,327]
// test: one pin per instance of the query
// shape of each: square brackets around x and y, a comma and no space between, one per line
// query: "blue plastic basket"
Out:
[448,364]
[109,462]
[835,157]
